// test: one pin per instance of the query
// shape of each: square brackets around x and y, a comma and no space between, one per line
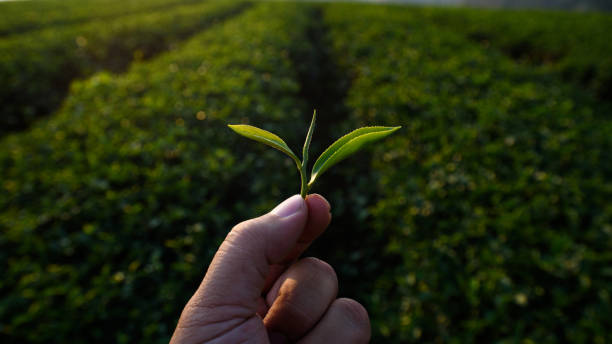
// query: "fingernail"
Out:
[289,207]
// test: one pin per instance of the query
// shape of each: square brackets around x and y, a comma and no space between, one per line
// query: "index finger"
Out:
[319,217]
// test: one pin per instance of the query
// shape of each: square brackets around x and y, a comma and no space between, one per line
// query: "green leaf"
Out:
[346,146]
[303,177]
[264,137]
[308,139]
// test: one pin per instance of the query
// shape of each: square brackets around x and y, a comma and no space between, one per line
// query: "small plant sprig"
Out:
[341,149]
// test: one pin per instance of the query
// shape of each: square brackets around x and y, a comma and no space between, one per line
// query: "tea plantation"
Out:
[577,47]
[38,66]
[486,218]
[19,17]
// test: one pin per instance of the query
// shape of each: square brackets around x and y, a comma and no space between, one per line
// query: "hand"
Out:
[255,292]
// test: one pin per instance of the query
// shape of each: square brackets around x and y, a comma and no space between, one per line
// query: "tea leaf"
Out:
[264,137]
[303,177]
[308,139]
[346,146]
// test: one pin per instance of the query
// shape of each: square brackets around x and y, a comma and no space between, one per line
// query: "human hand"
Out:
[256,292]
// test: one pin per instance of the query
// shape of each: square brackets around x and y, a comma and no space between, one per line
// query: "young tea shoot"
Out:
[344,147]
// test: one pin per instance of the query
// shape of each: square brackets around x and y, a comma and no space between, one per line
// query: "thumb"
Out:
[238,271]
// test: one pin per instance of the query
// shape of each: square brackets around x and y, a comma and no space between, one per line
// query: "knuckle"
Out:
[297,314]
[246,225]
[357,317]
[246,230]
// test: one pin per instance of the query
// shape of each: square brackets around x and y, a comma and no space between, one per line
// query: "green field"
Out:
[485,219]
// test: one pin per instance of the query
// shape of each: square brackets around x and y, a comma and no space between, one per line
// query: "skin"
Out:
[256,290]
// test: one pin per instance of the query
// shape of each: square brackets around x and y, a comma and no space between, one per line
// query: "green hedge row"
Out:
[488,218]
[36,68]
[22,16]
[494,195]
[575,45]
[111,209]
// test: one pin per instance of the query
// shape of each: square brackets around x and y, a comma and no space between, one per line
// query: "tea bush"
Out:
[575,45]
[36,68]
[484,219]
[494,201]
[22,16]
[111,209]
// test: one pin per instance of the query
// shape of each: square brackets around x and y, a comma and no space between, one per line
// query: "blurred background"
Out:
[581,5]
[485,219]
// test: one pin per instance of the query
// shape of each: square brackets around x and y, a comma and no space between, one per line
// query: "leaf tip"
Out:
[391,130]
[236,127]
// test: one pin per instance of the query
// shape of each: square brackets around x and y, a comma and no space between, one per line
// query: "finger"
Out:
[300,297]
[346,321]
[319,217]
[238,271]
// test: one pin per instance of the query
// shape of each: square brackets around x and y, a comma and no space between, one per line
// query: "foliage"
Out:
[22,16]
[111,209]
[36,68]
[485,219]
[579,5]
[344,147]
[494,202]
[575,45]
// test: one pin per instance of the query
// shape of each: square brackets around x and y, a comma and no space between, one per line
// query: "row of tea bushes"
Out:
[111,209]
[22,16]
[575,45]
[494,195]
[36,68]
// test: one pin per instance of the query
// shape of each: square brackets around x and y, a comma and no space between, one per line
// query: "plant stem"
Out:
[305,187]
